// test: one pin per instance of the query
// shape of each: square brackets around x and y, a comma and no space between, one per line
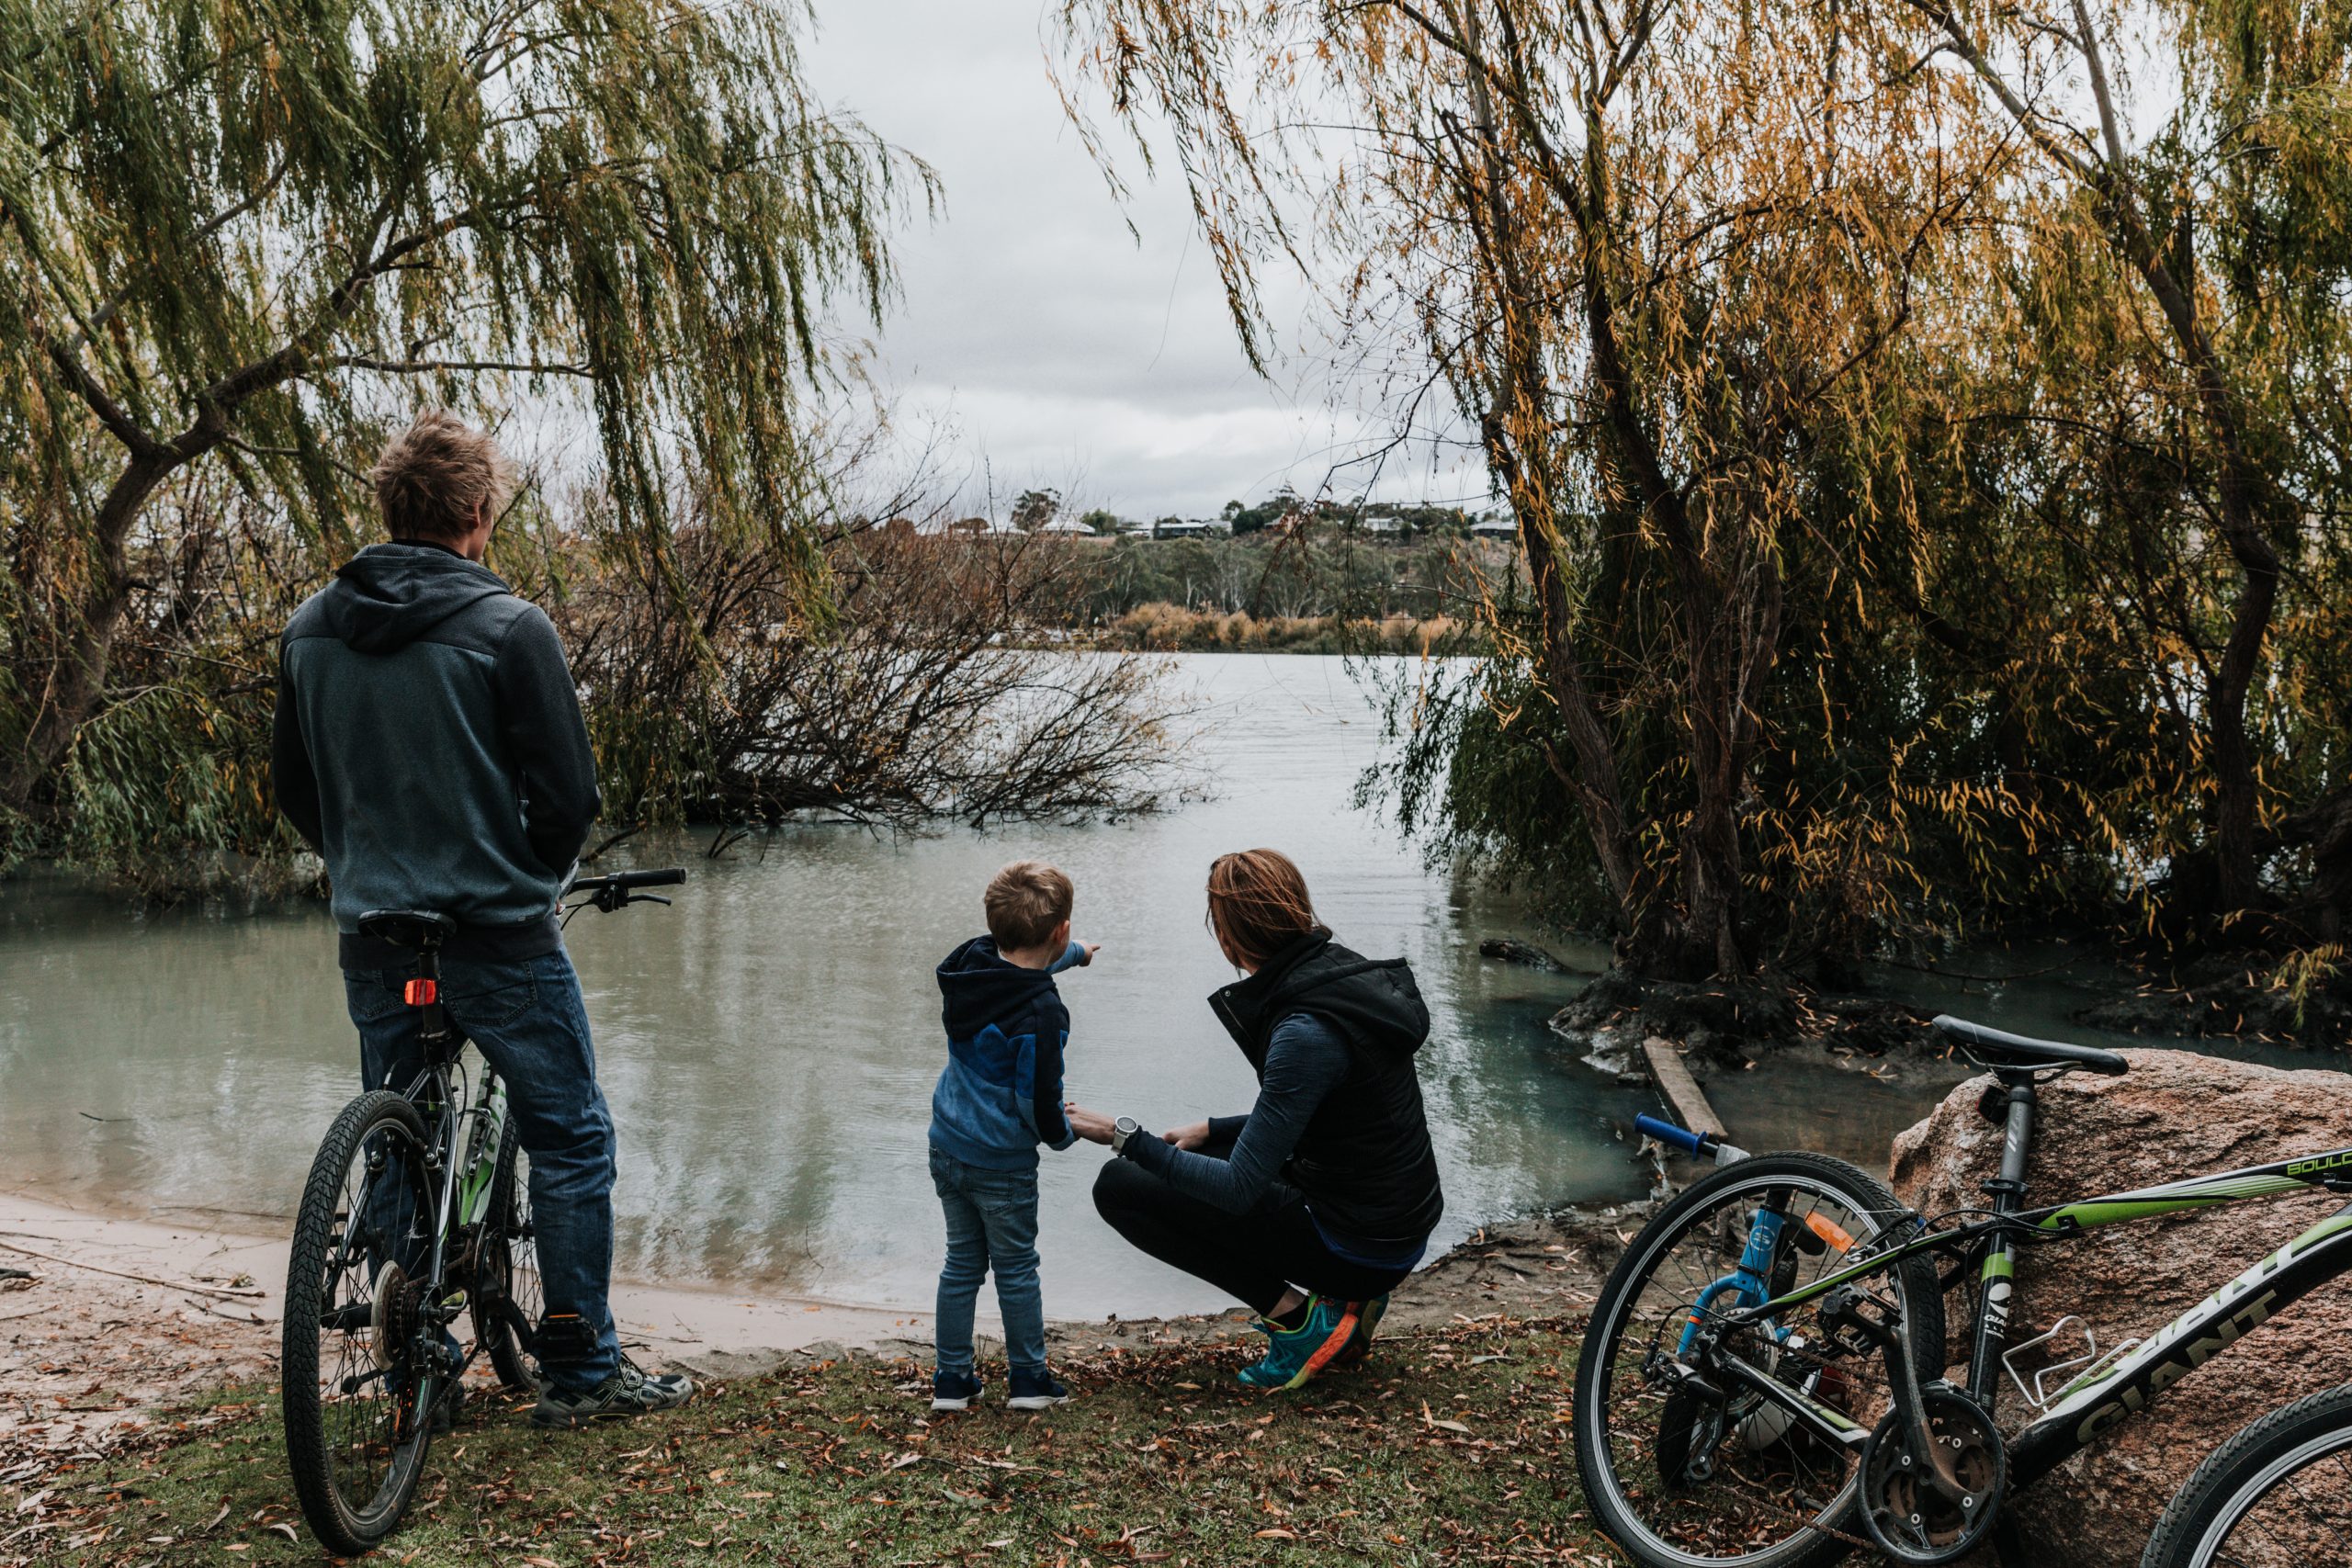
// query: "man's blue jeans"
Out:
[526,1018]
[991,1225]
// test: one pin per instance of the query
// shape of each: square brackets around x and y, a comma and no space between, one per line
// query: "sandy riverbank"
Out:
[127,1320]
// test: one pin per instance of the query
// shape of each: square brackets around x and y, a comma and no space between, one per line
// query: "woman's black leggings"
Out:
[1253,1256]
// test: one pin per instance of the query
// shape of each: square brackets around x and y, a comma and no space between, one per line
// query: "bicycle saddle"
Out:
[420,929]
[1998,1047]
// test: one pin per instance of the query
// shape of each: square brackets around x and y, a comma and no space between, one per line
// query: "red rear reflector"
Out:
[421,993]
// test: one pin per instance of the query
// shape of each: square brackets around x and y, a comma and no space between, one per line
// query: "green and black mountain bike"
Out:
[416,1217]
[1763,1382]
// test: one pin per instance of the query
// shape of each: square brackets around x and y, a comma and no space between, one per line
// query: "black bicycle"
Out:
[1763,1381]
[416,1216]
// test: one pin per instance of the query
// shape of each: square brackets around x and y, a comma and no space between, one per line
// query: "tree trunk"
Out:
[77,675]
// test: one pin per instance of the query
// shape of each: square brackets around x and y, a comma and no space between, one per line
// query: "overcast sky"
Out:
[1059,349]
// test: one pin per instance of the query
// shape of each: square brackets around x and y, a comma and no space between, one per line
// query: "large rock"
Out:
[2175,1114]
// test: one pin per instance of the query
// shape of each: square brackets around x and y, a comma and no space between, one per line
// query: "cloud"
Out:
[1056,345]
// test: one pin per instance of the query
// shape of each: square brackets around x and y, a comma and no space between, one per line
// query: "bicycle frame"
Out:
[2117,1387]
[464,1176]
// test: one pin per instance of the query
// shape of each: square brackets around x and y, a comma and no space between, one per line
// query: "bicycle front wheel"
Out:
[359,1379]
[2277,1495]
[1685,1474]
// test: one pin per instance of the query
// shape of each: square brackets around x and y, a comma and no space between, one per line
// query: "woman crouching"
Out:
[1319,1201]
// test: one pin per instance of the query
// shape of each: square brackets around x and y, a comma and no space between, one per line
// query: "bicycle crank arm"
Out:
[1843,1308]
[1831,1426]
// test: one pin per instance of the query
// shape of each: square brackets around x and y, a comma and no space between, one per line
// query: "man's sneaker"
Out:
[954,1391]
[1359,1346]
[1035,1391]
[627,1391]
[1295,1355]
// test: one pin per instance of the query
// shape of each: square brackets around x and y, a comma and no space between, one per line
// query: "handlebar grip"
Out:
[1667,1132]
[669,877]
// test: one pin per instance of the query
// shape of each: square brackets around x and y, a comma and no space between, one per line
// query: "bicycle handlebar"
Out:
[622,880]
[1696,1144]
[618,889]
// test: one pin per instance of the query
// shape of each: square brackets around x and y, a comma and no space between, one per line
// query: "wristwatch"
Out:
[1125,1127]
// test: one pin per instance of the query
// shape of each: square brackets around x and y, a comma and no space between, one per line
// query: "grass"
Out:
[1448,1447]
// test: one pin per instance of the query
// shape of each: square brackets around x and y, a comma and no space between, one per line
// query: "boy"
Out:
[998,1098]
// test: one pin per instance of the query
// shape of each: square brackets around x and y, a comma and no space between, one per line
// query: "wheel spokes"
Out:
[1729,1477]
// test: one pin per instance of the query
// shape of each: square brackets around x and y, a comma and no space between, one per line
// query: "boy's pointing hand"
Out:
[1091,948]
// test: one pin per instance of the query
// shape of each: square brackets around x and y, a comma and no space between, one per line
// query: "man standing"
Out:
[429,745]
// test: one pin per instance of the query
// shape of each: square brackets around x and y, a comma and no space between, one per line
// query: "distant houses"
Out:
[1189,527]
[1287,514]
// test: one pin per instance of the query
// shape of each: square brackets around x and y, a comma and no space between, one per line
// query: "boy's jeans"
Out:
[526,1018]
[991,1224]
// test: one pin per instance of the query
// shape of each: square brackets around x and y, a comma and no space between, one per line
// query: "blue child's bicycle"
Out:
[1763,1382]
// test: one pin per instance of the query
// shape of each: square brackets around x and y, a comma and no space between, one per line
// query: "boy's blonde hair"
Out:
[437,476]
[1025,902]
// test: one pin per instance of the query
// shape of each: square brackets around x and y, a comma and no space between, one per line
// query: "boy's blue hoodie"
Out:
[1001,1094]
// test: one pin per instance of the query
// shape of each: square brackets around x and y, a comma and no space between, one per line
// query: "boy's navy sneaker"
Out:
[1035,1391]
[954,1391]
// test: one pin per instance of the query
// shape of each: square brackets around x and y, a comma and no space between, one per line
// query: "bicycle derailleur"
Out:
[1934,1471]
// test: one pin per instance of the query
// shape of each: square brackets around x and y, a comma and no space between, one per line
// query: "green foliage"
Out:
[1323,573]
[1931,482]
[245,237]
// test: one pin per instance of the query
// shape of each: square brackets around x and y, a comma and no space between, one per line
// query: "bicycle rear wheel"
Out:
[359,1394]
[2277,1495]
[1682,1476]
[508,1299]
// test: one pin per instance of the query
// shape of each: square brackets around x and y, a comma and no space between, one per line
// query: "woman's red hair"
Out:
[1258,903]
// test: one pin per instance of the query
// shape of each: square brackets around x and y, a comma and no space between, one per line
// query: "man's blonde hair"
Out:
[437,476]
[1025,902]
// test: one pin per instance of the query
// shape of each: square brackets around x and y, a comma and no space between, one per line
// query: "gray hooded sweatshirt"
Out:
[429,745]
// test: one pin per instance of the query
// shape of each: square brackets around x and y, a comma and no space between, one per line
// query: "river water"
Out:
[769,1043]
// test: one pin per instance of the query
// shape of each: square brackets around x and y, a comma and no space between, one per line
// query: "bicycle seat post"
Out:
[2011,1105]
[433,1021]
[421,932]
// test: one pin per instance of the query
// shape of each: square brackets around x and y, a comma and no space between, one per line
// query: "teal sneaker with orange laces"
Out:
[1295,1356]
[1359,1344]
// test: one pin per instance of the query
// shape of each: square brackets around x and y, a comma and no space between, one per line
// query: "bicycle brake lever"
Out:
[647,898]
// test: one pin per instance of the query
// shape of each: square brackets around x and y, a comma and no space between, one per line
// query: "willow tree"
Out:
[240,235]
[2180,303]
[1657,255]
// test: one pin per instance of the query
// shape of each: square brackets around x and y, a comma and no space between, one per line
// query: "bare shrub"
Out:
[927,695]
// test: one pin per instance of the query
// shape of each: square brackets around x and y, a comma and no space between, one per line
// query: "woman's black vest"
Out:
[1365,1161]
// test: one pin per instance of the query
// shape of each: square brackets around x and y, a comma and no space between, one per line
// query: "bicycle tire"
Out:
[318,1446]
[507,1222]
[2236,1477]
[1607,1494]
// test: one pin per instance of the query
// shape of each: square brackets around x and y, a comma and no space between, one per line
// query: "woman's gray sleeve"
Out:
[1304,1061]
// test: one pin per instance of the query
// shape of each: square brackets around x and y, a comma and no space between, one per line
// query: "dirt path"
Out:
[123,1323]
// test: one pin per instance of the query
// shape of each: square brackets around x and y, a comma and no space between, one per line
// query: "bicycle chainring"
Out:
[1905,1514]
